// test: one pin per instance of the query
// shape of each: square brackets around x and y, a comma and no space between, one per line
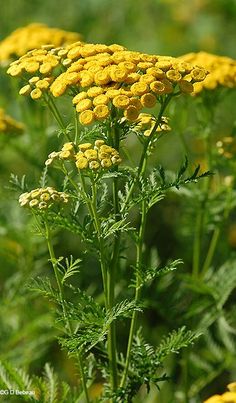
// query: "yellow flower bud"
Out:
[131,113]
[148,100]
[101,112]
[36,93]
[86,117]
[121,101]
[83,105]
[25,90]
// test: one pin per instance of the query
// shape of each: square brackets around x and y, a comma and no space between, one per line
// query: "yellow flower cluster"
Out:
[103,77]
[227,397]
[9,125]
[146,123]
[42,198]
[33,36]
[98,156]
[227,147]
[67,153]
[38,68]
[222,70]
[112,76]
[88,157]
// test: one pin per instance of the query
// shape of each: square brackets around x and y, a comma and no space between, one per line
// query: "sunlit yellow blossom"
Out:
[135,102]
[226,397]
[82,163]
[174,75]
[214,399]
[42,84]
[222,70]
[86,117]
[148,100]
[147,78]
[102,77]
[26,90]
[95,91]
[139,88]
[158,87]
[91,154]
[106,163]
[131,113]
[83,105]
[85,146]
[58,88]
[79,97]
[232,387]
[121,101]
[113,77]
[36,93]
[146,124]
[42,198]
[101,100]
[118,75]
[94,165]
[185,86]
[33,36]
[101,112]
[98,156]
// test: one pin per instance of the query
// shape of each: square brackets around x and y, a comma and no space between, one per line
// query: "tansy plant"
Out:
[104,199]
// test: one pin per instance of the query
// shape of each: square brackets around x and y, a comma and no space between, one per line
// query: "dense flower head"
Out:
[87,156]
[67,153]
[112,76]
[222,70]
[102,78]
[42,198]
[146,124]
[227,147]
[32,37]
[37,67]
[9,125]
[227,397]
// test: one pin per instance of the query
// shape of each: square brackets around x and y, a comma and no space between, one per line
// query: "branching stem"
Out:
[60,289]
[139,246]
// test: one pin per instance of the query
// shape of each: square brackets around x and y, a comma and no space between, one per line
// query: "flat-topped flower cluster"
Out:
[33,36]
[43,198]
[222,70]
[101,78]
[89,156]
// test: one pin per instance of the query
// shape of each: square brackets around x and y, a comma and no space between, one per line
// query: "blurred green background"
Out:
[159,26]
[166,27]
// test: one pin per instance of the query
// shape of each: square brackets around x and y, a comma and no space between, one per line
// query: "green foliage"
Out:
[44,389]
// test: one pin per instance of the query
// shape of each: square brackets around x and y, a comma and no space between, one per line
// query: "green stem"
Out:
[143,159]
[76,127]
[93,213]
[111,279]
[70,331]
[216,235]
[139,256]
[53,108]
[197,241]
[141,172]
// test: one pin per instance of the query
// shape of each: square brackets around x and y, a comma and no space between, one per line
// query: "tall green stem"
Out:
[53,108]
[112,272]
[139,255]
[143,159]
[216,235]
[139,246]
[70,331]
